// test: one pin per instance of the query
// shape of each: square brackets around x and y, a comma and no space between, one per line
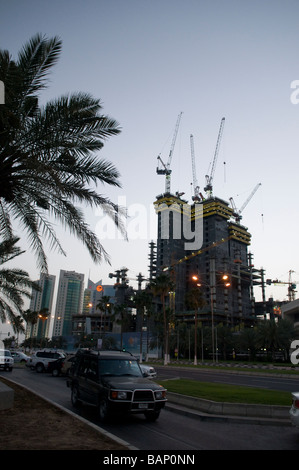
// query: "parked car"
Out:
[148,371]
[294,411]
[6,360]
[112,382]
[55,367]
[67,363]
[40,359]
[19,356]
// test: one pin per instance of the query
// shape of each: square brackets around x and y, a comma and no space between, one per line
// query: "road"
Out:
[172,431]
[278,382]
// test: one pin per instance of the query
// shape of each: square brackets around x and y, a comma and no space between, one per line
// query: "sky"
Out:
[149,61]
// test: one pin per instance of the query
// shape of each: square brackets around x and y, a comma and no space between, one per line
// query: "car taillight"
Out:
[296,403]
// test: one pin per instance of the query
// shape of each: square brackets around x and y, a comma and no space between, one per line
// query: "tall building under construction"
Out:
[223,251]
[198,245]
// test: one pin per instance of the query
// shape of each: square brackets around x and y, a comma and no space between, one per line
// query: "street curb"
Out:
[237,412]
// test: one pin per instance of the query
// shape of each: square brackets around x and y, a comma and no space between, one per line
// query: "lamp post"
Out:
[199,283]
[195,278]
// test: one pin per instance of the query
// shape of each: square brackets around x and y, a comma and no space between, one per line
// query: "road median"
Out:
[224,409]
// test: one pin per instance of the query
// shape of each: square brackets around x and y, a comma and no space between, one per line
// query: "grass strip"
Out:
[227,393]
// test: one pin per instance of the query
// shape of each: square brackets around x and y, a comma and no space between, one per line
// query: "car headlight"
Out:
[119,395]
[160,394]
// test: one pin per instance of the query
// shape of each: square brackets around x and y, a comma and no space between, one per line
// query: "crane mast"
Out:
[209,178]
[237,213]
[291,285]
[166,168]
[196,196]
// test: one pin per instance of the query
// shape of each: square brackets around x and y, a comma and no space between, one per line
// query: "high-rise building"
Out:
[41,302]
[69,301]
[223,251]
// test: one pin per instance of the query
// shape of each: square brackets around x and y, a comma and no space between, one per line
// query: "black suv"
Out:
[113,382]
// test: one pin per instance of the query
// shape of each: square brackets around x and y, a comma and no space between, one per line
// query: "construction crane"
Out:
[198,252]
[237,213]
[291,285]
[209,178]
[196,196]
[166,168]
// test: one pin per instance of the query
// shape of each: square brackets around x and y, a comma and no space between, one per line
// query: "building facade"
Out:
[223,250]
[69,302]
[96,313]
[41,302]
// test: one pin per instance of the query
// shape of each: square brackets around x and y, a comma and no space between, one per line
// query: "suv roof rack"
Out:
[99,351]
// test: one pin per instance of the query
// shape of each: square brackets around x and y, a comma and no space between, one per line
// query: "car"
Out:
[6,360]
[113,383]
[67,363]
[55,367]
[148,371]
[40,359]
[294,411]
[19,356]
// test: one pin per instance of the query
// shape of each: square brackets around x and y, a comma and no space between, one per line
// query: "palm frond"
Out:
[48,155]
[35,59]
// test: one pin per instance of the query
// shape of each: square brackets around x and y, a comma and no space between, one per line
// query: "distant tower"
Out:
[69,301]
[41,300]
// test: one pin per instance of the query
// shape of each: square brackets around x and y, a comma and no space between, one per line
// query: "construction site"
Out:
[222,266]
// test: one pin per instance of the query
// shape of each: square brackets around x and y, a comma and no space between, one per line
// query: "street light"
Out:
[195,278]
[226,283]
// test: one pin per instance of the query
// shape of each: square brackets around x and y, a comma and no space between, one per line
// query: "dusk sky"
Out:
[150,60]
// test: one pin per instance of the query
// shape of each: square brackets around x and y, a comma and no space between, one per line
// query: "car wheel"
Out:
[39,368]
[103,409]
[75,396]
[152,415]
[55,372]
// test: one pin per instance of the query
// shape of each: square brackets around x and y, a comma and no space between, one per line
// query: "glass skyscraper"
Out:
[69,301]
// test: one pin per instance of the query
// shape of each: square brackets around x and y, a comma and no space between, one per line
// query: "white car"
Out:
[19,356]
[6,360]
[294,411]
[148,371]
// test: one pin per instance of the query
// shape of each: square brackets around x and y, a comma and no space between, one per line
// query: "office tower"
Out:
[69,302]
[41,302]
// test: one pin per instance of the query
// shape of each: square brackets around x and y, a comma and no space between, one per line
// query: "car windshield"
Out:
[120,367]
[4,352]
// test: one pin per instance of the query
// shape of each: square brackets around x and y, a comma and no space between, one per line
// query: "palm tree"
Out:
[43,315]
[105,306]
[141,301]
[162,286]
[18,326]
[195,300]
[48,155]
[15,284]
[30,317]
[123,318]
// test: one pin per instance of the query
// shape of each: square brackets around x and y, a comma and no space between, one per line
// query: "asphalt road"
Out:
[172,432]
[278,382]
